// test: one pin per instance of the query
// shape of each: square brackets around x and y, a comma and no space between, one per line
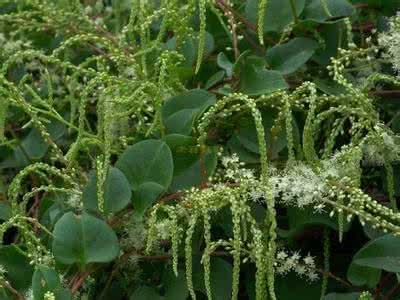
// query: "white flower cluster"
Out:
[10,46]
[49,296]
[75,200]
[380,147]
[133,241]
[299,186]
[256,195]
[391,41]
[134,236]
[303,266]
[234,169]
[164,229]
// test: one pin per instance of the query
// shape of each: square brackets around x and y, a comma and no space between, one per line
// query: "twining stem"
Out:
[294,11]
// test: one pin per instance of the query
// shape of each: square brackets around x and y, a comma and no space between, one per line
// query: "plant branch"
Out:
[13,291]
[294,12]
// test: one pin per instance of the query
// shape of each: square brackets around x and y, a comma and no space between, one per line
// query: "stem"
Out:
[392,292]
[294,12]
[326,263]
[338,279]
[13,291]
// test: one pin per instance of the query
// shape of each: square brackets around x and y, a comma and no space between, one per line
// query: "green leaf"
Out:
[5,211]
[44,279]
[278,13]
[224,63]
[396,167]
[381,253]
[3,114]
[299,219]
[290,287]
[145,293]
[192,175]
[241,61]
[148,166]
[387,7]
[180,112]
[6,295]
[289,57]
[175,287]
[83,239]
[337,296]
[145,196]
[147,161]
[334,36]
[359,275]
[47,280]
[189,47]
[235,146]
[214,79]
[188,163]
[34,145]
[117,192]
[329,87]
[256,80]
[372,233]
[246,135]
[315,11]
[19,270]
[302,217]
[221,279]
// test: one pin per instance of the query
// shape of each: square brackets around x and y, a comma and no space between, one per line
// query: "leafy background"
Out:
[91,249]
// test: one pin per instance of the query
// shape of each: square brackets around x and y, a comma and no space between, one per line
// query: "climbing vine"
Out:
[217,149]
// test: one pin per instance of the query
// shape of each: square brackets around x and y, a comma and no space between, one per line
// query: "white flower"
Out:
[391,41]
[281,255]
[296,256]
[230,160]
[299,186]
[49,296]
[305,267]
[74,199]
[309,260]
[300,269]
[312,276]
[256,195]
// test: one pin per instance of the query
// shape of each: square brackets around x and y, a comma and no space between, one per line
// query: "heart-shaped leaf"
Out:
[180,112]
[175,286]
[145,293]
[316,11]
[83,239]
[382,253]
[278,13]
[117,192]
[147,161]
[190,167]
[289,57]
[359,275]
[256,80]
[47,280]
[221,279]
[224,63]
[342,296]
[18,270]
[149,167]
[145,195]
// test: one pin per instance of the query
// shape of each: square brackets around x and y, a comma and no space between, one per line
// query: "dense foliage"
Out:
[199,149]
